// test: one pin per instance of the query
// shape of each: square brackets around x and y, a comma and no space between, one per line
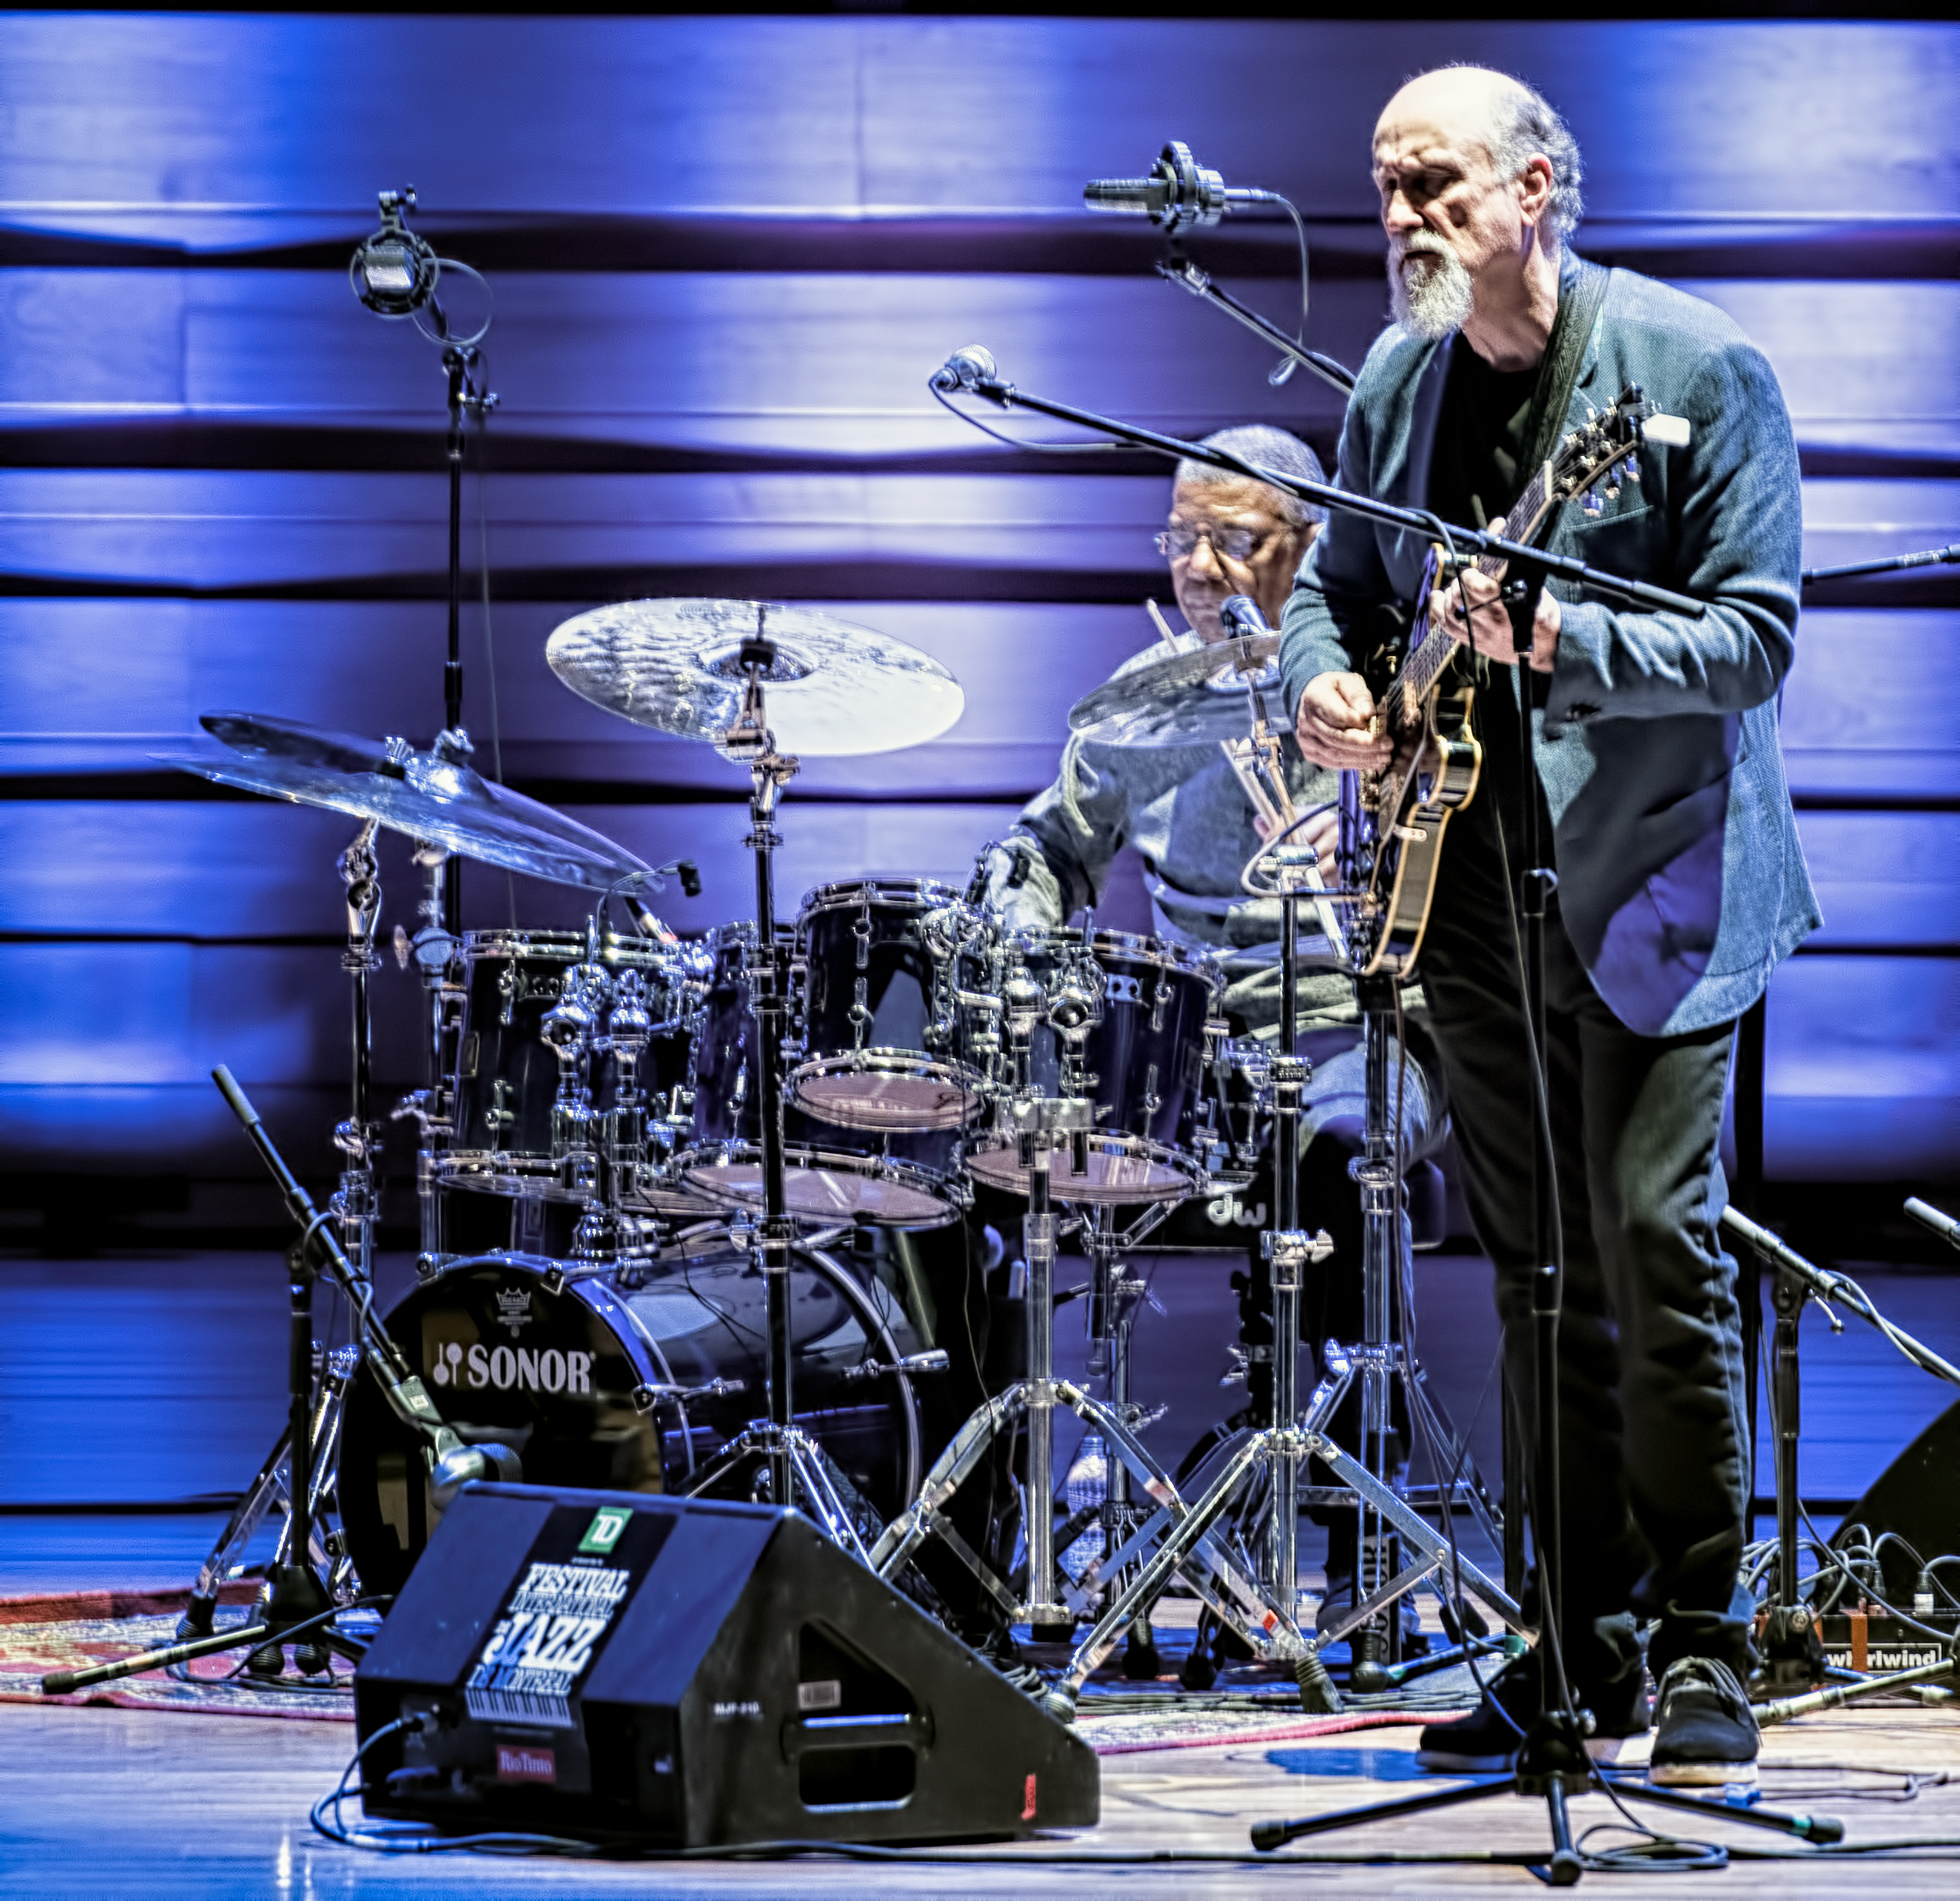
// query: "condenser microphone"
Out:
[966,369]
[395,273]
[1179,194]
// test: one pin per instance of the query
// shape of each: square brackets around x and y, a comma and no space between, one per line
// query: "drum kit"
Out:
[639,1154]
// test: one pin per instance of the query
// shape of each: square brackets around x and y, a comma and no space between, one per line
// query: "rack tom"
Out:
[558,1055]
[1143,1054]
[898,1176]
[880,1009]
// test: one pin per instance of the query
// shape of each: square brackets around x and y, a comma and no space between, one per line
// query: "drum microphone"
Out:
[1179,194]
[1240,618]
[966,369]
[464,1465]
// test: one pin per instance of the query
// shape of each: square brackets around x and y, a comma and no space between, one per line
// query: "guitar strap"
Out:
[1582,290]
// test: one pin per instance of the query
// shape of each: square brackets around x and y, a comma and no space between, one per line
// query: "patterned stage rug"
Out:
[70,1632]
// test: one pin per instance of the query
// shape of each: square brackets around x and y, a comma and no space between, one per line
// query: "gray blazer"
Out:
[1681,882]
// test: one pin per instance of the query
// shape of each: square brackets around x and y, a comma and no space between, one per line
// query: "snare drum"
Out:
[566,1375]
[507,1138]
[1143,1062]
[903,1178]
[880,1009]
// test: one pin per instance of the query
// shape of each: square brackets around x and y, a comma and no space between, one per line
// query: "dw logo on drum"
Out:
[1228,1211]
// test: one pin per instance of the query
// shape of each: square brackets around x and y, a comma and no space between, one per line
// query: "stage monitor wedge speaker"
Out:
[687,1672]
[1917,1497]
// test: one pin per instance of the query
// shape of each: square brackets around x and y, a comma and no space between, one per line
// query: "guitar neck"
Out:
[1424,667]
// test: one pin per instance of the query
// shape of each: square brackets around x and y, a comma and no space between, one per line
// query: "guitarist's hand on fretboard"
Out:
[1338,726]
[1487,626]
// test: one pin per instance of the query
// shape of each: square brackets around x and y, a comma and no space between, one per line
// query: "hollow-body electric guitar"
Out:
[1424,705]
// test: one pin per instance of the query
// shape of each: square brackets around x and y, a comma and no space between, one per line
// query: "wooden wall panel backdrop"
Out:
[725,255]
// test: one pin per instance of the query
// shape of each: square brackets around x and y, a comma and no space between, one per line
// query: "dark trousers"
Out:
[1654,1490]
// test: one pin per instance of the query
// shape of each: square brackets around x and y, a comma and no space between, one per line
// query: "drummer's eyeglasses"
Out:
[1233,544]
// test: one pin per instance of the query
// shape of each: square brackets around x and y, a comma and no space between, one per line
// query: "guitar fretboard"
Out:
[1424,667]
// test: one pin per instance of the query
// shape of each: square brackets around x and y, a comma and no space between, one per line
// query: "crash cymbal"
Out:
[432,796]
[836,690]
[1193,699]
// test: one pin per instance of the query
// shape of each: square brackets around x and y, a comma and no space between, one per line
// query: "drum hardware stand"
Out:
[432,950]
[1044,1126]
[1379,1360]
[356,1204]
[797,1465]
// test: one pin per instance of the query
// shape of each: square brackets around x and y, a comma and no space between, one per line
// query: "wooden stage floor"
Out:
[97,1802]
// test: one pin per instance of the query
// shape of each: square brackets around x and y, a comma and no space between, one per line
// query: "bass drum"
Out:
[565,1373]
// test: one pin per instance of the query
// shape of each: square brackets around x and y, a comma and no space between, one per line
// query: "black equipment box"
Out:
[1878,1644]
[690,1673]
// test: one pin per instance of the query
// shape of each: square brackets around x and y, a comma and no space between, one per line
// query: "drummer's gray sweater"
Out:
[1182,811]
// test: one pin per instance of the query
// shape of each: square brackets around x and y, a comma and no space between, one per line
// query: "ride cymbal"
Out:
[836,690]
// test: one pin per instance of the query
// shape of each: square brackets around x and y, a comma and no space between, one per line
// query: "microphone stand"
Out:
[1551,1764]
[964,373]
[1187,276]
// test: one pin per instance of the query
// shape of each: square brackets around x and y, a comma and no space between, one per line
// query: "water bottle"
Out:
[1087,1484]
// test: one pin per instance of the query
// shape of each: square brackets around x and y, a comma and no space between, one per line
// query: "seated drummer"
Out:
[1184,812]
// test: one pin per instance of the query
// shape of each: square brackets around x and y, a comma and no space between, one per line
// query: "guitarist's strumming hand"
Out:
[1339,726]
[1487,626]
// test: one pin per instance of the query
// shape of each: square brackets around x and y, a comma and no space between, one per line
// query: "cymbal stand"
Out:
[433,950]
[356,1204]
[797,1465]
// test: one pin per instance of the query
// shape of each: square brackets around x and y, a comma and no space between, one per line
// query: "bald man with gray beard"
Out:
[1681,885]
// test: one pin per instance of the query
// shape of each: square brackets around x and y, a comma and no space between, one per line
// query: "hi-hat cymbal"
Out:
[1193,699]
[835,690]
[430,796]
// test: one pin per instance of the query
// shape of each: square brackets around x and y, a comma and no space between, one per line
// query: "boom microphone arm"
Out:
[972,370]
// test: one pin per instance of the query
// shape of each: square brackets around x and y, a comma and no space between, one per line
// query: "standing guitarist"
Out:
[1680,881]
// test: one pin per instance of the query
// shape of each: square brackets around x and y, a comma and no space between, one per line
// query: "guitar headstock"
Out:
[1591,462]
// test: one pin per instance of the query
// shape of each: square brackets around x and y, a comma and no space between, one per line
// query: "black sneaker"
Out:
[1706,1736]
[1485,1741]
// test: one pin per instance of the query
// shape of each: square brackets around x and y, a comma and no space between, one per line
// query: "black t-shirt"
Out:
[1476,469]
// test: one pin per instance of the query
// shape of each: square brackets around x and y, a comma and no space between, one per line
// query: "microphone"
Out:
[690,875]
[1240,618]
[1179,194]
[395,273]
[464,1465]
[1942,1224]
[966,369]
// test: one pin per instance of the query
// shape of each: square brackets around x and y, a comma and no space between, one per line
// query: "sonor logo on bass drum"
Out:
[529,1369]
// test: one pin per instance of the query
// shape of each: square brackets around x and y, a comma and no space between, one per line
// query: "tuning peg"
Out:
[1632,468]
[1592,505]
